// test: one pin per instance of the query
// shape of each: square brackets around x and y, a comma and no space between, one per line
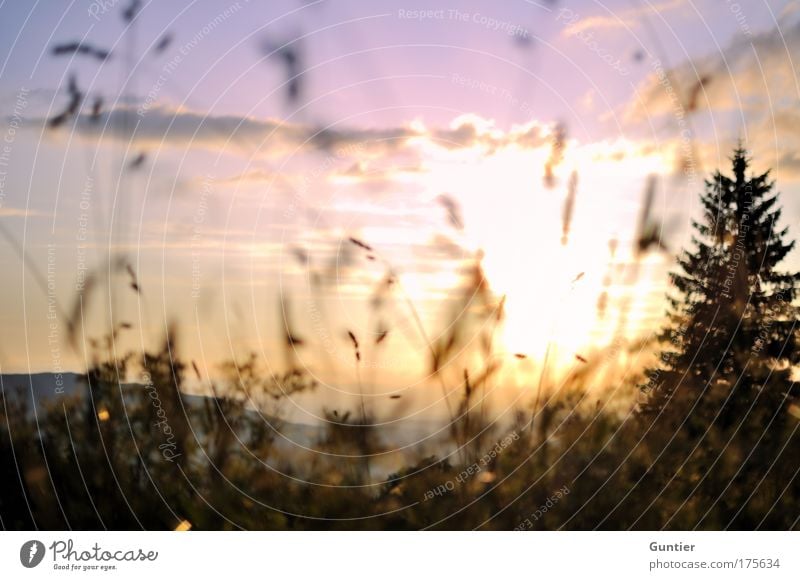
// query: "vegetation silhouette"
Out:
[724,385]
[711,445]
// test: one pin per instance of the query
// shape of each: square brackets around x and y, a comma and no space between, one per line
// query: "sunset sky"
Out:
[221,178]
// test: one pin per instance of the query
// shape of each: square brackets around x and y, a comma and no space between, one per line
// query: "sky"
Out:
[237,147]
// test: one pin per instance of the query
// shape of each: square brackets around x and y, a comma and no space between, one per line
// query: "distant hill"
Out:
[41,391]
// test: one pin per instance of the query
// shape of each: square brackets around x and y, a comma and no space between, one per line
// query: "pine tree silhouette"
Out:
[716,408]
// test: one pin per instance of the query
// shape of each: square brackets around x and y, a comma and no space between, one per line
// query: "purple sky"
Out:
[397,104]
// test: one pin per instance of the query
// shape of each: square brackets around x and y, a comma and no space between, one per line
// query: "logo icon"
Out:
[31,553]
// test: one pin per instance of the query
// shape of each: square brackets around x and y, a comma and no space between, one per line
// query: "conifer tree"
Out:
[732,321]
[715,415]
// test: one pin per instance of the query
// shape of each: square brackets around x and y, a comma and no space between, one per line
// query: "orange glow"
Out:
[552,288]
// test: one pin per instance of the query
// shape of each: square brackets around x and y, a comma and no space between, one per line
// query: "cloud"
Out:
[160,126]
[776,143]
[272,135]
[750,70]
[587,101]
[793,7]
[469,131]
[595,22]
[361,170]
[250,176]
[751,87]
[379,176]
[21,212]
[577,24]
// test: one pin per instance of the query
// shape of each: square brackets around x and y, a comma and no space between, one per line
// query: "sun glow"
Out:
[552,282]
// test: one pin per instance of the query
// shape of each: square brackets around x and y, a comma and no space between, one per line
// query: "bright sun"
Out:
[551,289]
